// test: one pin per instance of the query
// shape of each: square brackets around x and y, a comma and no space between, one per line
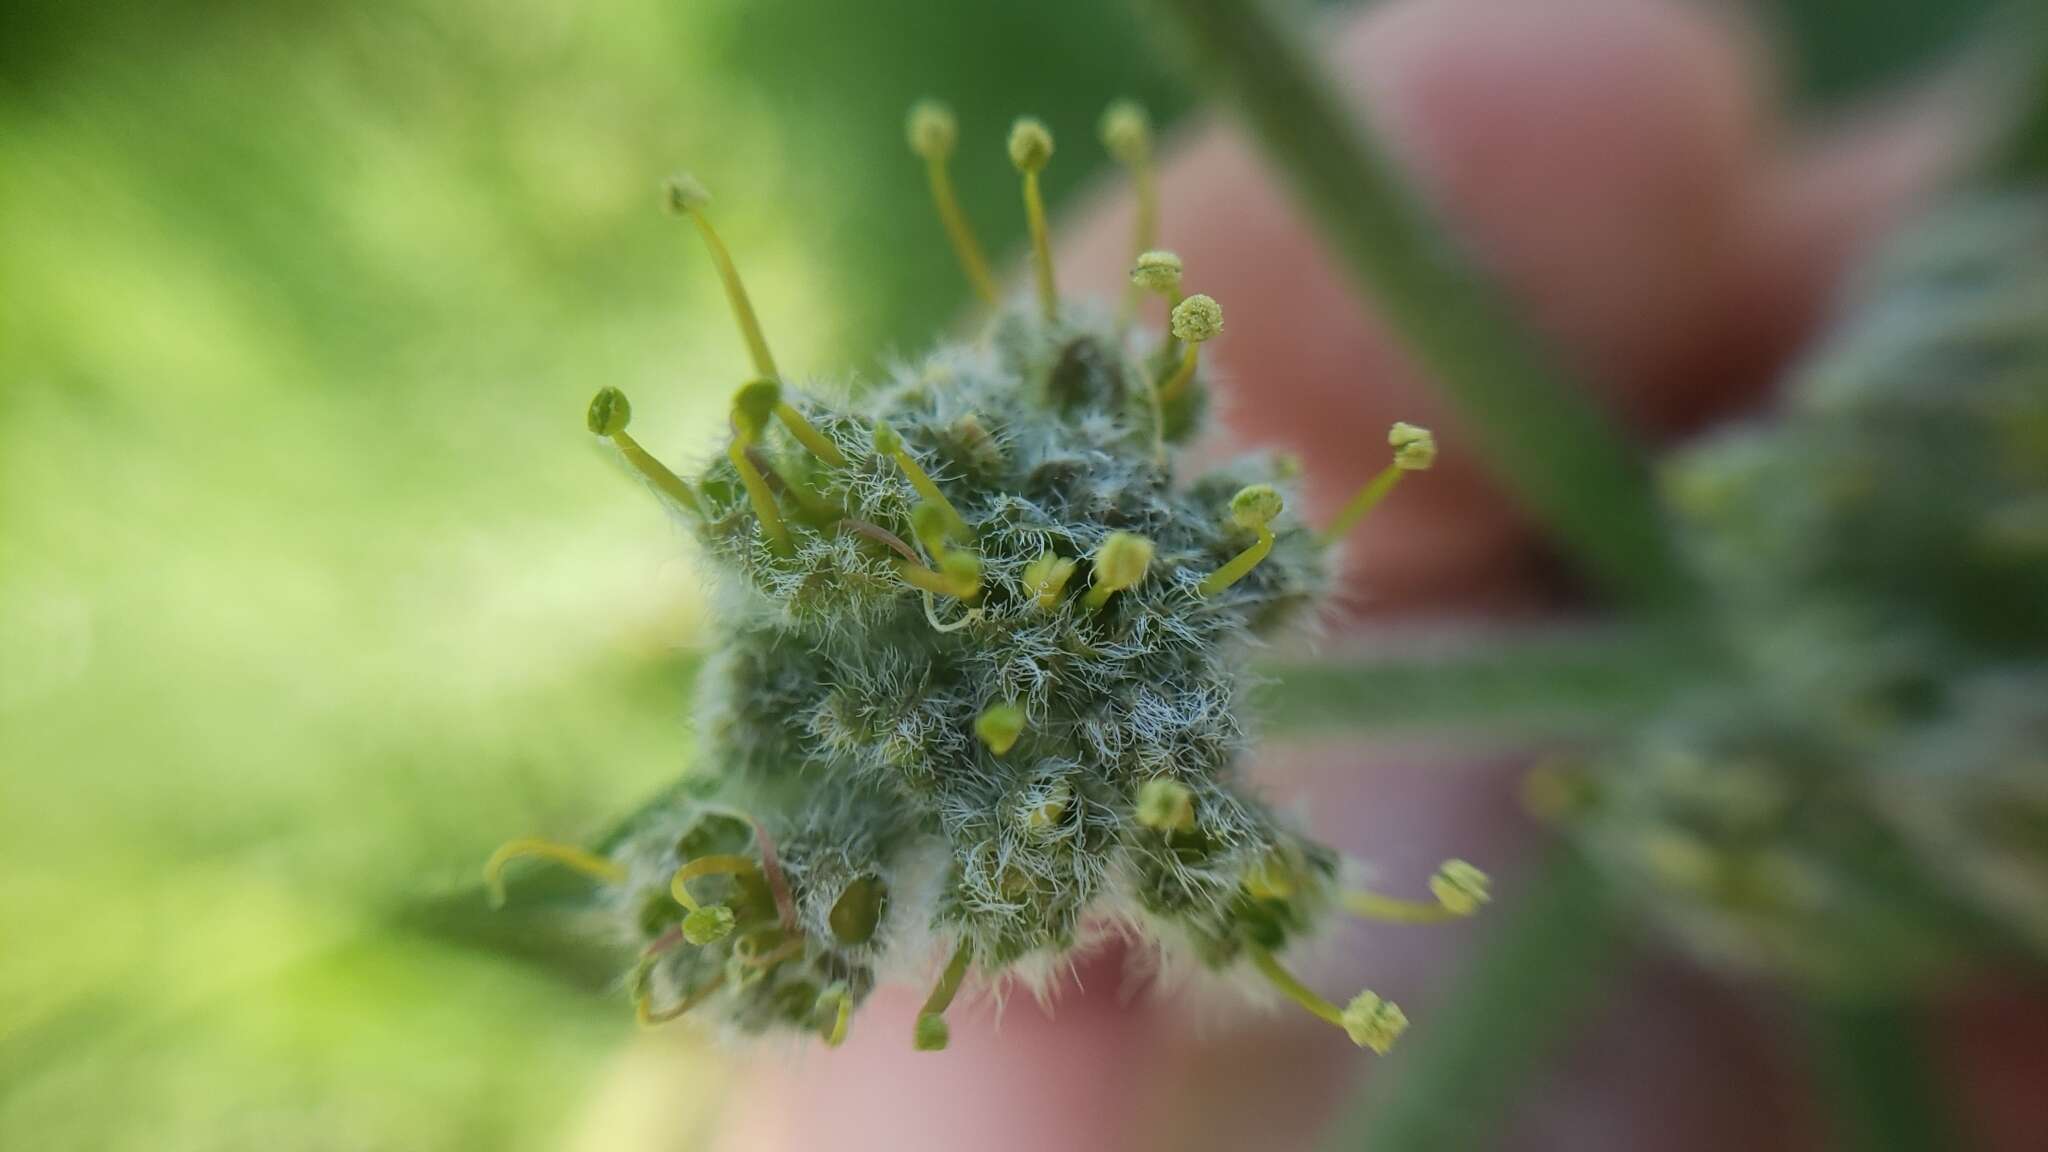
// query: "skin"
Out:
[1617,165]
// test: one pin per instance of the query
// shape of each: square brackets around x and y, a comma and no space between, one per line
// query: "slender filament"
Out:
[925,488]
[1375,491]
[949,982]
[1145,233]
[736,293]
[760,497]
[1373,906]
[1041,247]
[656,473]
[1292,988]
[958,231]
[808,435]
[1239,566]
[568,855]
[1182,373]
[721,865]
[649,1016]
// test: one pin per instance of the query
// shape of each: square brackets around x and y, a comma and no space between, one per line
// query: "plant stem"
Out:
[1875,1063]
[1458,1070]
[1542,433]
[2021,32]
[1494,685]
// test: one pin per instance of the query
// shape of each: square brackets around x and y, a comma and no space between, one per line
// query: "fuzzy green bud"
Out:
[1197,319]
[887,441]
[1166,805]
[1030,145]
[1374,1023]
[1000,726]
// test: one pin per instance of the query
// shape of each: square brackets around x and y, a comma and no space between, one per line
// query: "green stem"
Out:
[2021,35]
[1530,422]
[1552,683]
[1458,1070]
[1875,1064]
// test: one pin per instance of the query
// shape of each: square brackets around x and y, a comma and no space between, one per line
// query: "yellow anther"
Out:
[931,1034]
[1030,151]
[568,855]
[1374,1023]
[688,197]
[1030,145]
[1414,451]
[1120,562]
[1458,887]
[1166,805]
[1253,508]
[1045,578]
[932,133]
[1158,272]
[1414,448]
[1197,319]
[931,129]
[1000,726]
[609,414]
[1370,1021]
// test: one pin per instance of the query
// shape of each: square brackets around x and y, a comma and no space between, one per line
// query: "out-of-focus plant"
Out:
[1847,792]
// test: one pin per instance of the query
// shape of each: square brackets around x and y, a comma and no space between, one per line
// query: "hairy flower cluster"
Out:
[979,668]
[1872,801]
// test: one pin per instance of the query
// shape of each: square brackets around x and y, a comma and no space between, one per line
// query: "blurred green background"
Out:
[312,587]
